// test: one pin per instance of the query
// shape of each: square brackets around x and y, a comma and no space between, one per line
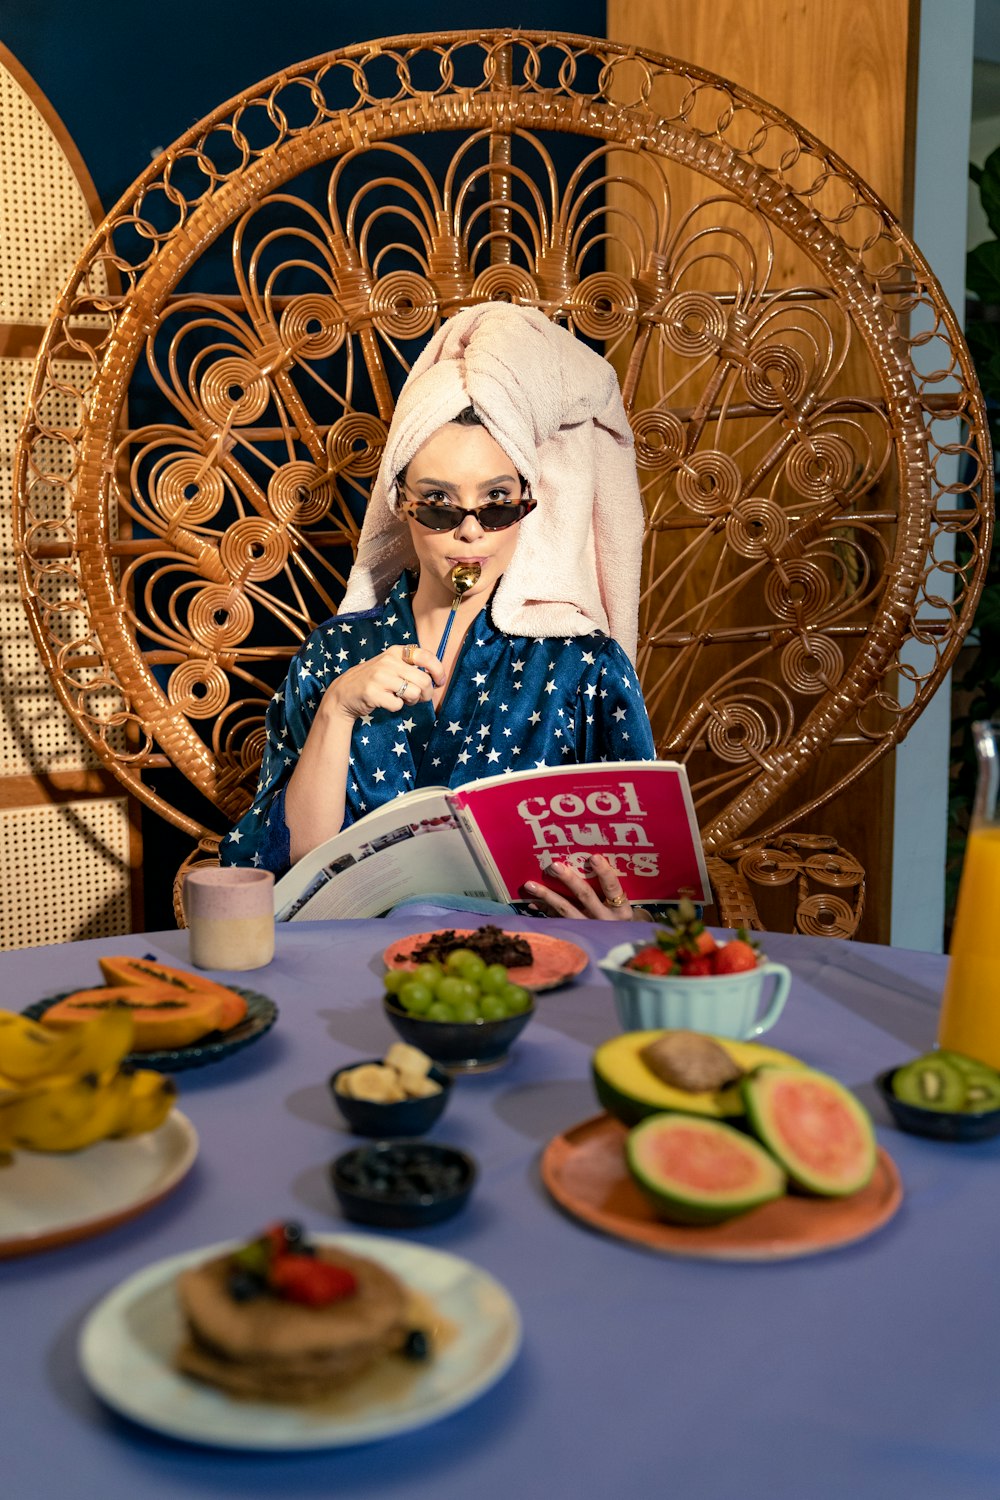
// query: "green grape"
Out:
[493,1007]
[439,1011]
[466,1010]
[453,990]
[494,980]
[415,996]
[471,967]
[457,959]
[516,998]
[429,973]
[395,979]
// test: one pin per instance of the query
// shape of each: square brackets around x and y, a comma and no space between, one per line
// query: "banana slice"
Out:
[418,1087]
[408,1060]
[376,1083]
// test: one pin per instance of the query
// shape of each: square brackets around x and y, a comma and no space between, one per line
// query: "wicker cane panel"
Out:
[796,439]
[46,216]
[66,872]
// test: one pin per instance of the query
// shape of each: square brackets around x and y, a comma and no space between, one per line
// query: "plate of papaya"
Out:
[182,1019]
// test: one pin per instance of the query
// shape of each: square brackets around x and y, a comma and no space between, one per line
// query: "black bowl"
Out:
[405,1117]
[460,1046]
[390,1184]
[941,1124]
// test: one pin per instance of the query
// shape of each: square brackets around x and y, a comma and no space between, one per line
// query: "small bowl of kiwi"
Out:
[944,1095]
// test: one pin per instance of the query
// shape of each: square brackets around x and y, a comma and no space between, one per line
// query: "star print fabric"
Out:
[513,704]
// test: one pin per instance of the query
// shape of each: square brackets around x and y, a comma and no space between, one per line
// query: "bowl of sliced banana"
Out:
[400,1094]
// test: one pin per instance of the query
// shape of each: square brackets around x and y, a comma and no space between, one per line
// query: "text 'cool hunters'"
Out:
[558,823]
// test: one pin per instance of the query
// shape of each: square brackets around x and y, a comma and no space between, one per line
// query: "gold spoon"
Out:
[464,576]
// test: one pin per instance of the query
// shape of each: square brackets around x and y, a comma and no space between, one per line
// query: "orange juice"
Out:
[970,1012]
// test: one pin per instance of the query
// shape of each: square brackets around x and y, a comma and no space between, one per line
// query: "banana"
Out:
[150,1100]
[107,1111]
[53,1112]
[100,1044]
[29,1051]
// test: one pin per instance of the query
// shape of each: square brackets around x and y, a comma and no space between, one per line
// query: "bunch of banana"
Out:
[63,1090]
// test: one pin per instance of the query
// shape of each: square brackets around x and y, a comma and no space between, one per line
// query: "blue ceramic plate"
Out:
[213,1047]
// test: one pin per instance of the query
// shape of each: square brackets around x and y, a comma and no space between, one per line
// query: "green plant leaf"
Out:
[989,190]
[982,271]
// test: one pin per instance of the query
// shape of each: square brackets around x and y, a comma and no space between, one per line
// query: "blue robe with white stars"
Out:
[513,703]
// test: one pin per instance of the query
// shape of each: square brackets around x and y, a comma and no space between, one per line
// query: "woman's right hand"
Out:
[385,681]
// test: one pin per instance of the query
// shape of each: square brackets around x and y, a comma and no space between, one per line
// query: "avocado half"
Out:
[629,1090]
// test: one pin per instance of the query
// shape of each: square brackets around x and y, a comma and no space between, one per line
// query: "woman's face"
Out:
[461,466]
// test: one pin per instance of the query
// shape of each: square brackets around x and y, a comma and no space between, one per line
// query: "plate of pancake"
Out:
[136,1349]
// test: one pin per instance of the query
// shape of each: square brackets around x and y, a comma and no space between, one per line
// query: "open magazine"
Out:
[489,837]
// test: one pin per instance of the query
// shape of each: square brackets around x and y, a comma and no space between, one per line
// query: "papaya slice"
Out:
[165,1016]
[124,969]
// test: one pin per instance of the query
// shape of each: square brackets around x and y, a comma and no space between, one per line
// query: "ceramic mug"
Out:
[730,1005]
[230,917]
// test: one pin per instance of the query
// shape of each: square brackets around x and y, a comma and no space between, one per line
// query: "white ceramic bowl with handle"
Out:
[742,1006]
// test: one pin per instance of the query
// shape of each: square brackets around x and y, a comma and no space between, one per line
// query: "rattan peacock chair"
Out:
[811,438]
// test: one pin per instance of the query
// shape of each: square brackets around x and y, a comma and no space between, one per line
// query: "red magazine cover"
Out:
[638,814]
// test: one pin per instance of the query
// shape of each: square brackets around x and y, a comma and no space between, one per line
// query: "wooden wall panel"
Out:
[847,72]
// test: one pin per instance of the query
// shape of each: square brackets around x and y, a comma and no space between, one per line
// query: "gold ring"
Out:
[616,901]
[408,655]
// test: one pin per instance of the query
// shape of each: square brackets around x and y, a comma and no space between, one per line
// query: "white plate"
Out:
[50,1199]
[127,1348]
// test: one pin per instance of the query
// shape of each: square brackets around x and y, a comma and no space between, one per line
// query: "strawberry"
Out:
[650,960]
[303,1278]
[735,957]
[696,965]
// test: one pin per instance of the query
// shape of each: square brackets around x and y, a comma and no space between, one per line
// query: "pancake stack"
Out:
[268,1348]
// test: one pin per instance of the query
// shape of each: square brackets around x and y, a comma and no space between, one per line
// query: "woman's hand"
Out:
[395,679]
[581,900]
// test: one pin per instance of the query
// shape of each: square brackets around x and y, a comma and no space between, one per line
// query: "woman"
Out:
[509,450]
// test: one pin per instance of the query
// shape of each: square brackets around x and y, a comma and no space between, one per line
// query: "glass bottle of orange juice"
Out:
[970,1011]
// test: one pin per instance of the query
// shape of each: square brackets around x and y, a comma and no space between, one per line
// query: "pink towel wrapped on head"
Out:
[555,408]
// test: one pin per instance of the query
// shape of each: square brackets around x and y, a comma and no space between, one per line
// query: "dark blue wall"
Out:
[127,78]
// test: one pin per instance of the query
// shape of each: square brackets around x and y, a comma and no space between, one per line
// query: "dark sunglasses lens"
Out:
[499,517]
[440,517]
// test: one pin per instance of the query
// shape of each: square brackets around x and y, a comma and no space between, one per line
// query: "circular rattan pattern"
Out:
[198,689]
[505,283]
[300,493]
[798,591]
[834,869]
[189,490]
[253,548]
[234,391]
[403,305]
[604,306]
[252,748]
[709,483]
[694,324]
[821,466]
[776,376]
[812,663]
[735,732]
[757,528]
[355,443]
[766,866]
[659,438]
[313,326]
[823,915]
[220,617]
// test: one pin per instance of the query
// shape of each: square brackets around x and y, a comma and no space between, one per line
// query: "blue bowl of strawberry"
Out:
[691,981]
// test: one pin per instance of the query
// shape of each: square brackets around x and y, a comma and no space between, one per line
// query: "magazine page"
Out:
[408,848]
[637,814]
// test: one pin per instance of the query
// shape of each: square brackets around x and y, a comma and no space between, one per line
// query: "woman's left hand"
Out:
[581,900]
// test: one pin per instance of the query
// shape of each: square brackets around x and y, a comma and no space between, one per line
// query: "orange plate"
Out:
[584,1170]
[556,959]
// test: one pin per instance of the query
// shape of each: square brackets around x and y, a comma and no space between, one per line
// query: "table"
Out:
[867,1372]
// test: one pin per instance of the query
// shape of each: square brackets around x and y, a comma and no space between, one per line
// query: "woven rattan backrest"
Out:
[810,435]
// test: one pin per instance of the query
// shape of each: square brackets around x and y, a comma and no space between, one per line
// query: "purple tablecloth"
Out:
[867,1372]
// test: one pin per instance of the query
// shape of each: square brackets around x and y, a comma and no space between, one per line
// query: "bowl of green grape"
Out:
[463,1012]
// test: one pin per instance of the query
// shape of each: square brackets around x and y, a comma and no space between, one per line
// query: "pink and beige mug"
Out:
[230,917]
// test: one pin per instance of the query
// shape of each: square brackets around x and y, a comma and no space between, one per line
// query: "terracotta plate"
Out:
[584,1170]
[556,959]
